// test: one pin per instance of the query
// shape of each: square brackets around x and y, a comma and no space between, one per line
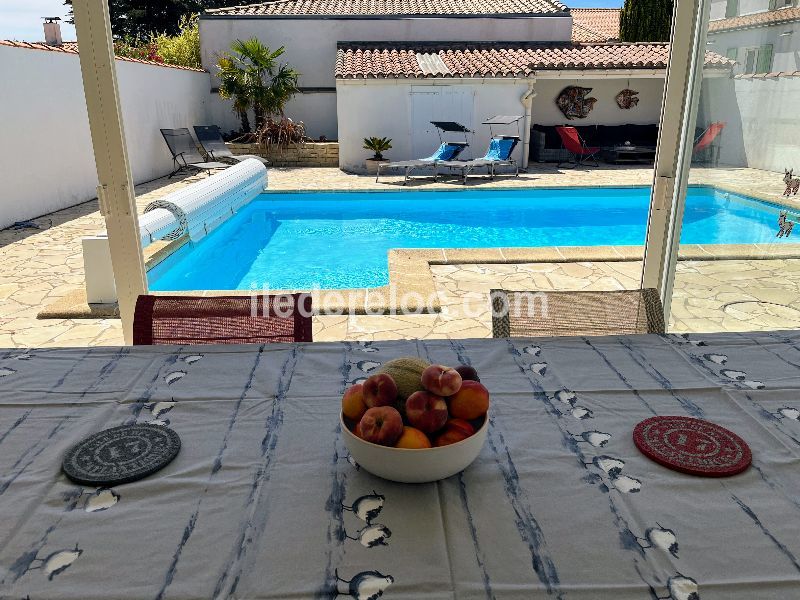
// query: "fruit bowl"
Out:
[421,465]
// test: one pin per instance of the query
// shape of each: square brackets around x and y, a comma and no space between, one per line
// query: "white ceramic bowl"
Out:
[414,465]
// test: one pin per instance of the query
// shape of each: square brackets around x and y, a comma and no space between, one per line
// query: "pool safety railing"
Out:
[202,206]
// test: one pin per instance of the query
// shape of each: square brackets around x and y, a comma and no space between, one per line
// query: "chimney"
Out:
[52,31]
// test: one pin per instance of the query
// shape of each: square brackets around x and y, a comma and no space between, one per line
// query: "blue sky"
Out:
[22,19]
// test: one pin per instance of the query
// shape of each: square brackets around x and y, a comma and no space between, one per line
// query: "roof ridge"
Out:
[50,48]
[355,8]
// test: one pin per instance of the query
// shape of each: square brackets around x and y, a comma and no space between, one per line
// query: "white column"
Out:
[115,192]
[678,116]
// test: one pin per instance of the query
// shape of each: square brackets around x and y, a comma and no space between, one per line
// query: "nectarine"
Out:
[441,380]
[353,406]
[425,411]
[380,390]
[381,425]
[467,373]
[470,402]
[413,438]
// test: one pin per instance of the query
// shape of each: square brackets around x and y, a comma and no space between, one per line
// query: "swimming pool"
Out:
[340,239]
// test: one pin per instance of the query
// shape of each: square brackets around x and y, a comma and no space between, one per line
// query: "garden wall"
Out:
[762,128]
[314,154]
[45,145]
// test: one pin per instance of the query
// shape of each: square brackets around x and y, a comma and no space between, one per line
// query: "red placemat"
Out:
[692,446]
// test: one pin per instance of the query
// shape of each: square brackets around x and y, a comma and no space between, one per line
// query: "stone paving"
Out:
[40,266]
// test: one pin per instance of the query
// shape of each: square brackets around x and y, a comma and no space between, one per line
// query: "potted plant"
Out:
[378,145]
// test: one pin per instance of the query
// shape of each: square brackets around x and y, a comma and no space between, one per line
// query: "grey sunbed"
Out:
[210,138]
[447,151]
[185,154]
[498,153]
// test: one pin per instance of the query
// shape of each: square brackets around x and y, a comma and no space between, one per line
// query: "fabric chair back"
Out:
[708,136]
[570,138]
[447,151]
[182,146]
[501,148]
[258,319]
[210,138]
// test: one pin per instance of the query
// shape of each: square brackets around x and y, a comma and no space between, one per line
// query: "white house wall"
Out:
[605,112]
[786,49]
[45,146]
[383,108]
[762,129]
[311,48]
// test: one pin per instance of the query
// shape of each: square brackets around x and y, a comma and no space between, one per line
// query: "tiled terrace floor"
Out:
[40,266]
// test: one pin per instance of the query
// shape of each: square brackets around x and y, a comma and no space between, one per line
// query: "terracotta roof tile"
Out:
[365,60]
[595,24]
[390,7]
[762,19]
[72,48]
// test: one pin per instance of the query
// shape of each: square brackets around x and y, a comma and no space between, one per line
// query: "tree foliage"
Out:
[253,78]
[646,21]
[182,49]
[143,19]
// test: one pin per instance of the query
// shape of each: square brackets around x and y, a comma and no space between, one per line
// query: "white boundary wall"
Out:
[762,128]
[46,159]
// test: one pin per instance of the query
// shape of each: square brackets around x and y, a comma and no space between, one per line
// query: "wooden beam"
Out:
[115,190]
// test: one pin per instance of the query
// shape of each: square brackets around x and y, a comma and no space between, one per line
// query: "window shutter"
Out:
[764,59]
[732,53]
[732,8]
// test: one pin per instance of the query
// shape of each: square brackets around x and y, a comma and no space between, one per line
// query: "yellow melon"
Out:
[407,374]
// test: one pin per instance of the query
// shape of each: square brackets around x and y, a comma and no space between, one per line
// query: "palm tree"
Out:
[252,78]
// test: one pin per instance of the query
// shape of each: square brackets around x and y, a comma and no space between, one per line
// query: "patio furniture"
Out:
[499,153]
[263,501]
[256,319]
[565,313]
[629,153]
[185,154]
[446,151]
[578,150]
[210,138]
[706,139]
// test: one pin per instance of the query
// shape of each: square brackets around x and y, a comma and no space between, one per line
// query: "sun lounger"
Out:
[499,153]
[447,151]
[210,138]
[185,154]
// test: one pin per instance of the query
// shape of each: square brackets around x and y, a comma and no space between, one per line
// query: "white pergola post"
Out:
[115,192]
[674,152]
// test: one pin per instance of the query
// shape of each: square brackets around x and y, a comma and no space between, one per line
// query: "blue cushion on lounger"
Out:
[500,148]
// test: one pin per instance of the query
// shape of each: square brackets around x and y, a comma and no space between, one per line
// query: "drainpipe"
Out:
[527,102]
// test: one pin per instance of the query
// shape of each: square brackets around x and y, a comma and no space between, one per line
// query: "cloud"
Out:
[22,19]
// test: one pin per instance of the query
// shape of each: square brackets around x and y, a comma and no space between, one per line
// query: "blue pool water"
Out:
[340,239]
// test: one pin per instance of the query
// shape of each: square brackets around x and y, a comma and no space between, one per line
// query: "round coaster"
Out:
[692,446]
[121,454]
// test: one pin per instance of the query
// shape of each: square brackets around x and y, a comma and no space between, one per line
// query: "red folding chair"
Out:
[256,319]
[573,144]
[705,139]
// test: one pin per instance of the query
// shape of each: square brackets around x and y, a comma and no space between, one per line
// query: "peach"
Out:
[467,373]
[425,411]
[380,390]
[471,401]
[353,406]
[381,425]
[461,425]
[454,431]
[413,438]
[441,380]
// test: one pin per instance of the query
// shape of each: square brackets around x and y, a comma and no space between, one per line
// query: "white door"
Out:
[439,103]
